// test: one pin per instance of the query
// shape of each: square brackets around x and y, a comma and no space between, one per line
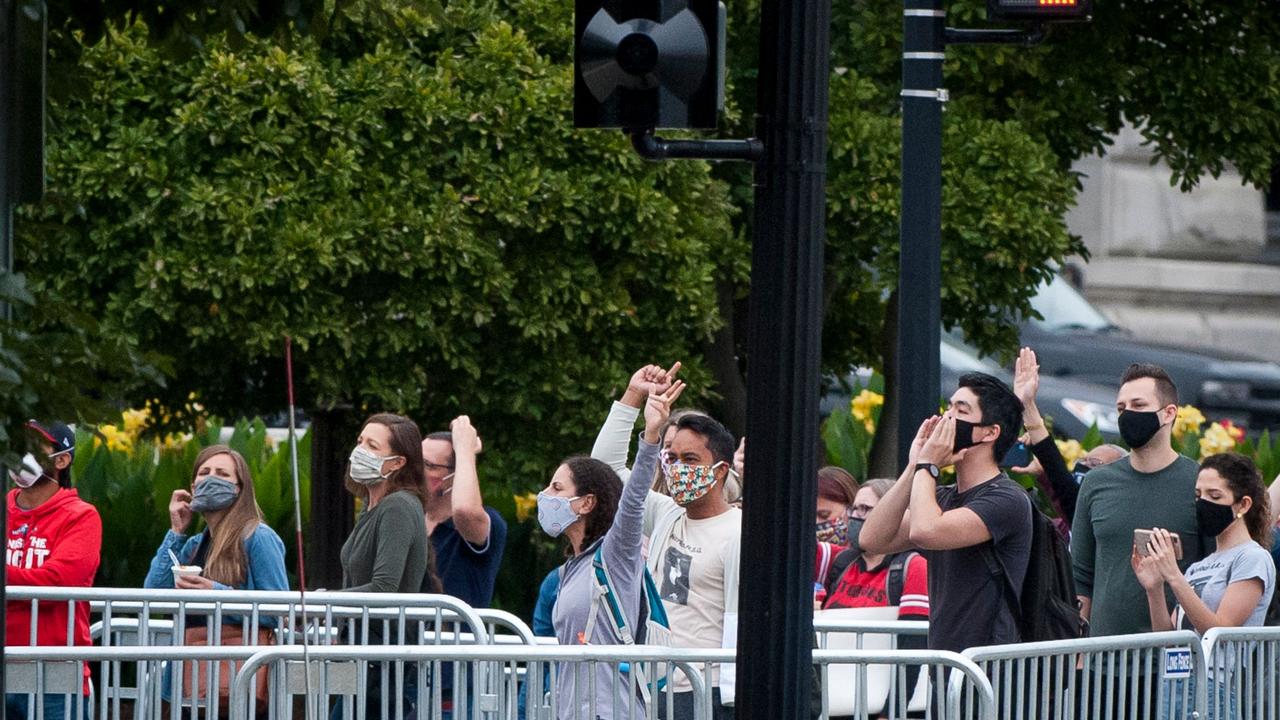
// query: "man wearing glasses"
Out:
[468,536]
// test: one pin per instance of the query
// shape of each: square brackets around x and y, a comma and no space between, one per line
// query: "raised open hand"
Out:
[1026,376]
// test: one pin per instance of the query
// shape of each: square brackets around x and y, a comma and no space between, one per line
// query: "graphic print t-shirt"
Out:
[691,581]
[862,587]
[1211,576]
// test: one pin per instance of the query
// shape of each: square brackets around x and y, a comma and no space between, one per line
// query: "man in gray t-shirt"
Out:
[1153,487]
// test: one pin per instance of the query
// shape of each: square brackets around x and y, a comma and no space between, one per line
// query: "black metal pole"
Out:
[651,147]
[8,156]
[7,100]
[920,262]
[775,628]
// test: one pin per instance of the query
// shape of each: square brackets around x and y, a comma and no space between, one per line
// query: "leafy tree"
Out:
[421,219]
[1198,79]
[403,195]
[65,370]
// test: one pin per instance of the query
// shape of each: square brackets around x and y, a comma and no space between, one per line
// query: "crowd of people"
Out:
[1156,541]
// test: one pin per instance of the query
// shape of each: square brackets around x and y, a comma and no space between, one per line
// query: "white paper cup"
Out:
[185,571]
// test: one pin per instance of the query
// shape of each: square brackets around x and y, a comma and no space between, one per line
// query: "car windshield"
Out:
[1065,309]
[959,357]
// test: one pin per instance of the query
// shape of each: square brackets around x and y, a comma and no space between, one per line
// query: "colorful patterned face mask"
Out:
[835,531]
[687,482]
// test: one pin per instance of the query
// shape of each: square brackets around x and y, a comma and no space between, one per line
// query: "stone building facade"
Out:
[1198,268]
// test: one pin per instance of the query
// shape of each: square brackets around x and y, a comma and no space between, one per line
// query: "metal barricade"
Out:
[590,665]
[127,617]
[1242,673]
[941,666]
[1121,677]
[872,690]
[496,621]
[333,672]
[330,681]
[45,670]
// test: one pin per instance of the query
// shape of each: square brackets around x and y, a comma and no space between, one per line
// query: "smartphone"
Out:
[1142,537]
[1018,456]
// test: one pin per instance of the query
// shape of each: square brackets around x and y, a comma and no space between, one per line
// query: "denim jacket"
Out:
[264,561]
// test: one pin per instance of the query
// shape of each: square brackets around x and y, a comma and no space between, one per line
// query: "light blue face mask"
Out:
[365,467]
[555,514]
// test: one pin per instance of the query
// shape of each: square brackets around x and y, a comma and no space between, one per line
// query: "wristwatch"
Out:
[933,469]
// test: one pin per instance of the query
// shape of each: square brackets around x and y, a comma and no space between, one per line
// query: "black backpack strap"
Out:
[896,580]
[996,567]
[839,564]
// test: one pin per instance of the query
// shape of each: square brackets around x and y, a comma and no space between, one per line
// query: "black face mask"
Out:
[1213,518]
[1079,471]
[1137,428]
[964,435]
[855,527]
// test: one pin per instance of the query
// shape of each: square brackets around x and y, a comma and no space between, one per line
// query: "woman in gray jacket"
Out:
[587,503]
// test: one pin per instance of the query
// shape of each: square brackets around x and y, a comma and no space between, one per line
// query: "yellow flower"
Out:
[526,505]
[1217,439]
[862,406]
[176,441]
[115,439]
[135,421]
[1189,420]
[1071,451]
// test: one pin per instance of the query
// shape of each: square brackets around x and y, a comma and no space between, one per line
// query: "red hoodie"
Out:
[57,543]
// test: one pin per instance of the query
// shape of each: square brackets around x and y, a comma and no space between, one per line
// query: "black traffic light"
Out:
[648,64]
[1040,10]
[22,56]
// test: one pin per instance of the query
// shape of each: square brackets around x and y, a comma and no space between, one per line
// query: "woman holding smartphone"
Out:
[1230,587]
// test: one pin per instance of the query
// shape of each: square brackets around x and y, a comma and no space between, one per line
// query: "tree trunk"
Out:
[882,461]
[332,507]
[721,353]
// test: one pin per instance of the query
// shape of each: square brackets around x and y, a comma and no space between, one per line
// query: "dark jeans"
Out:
[683,706]
[16,707]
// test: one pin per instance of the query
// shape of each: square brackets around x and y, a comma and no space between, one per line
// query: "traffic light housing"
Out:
[648,64]
[1040,10]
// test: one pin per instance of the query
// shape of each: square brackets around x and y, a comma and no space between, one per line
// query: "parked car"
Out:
[1074,405]
[1075,341]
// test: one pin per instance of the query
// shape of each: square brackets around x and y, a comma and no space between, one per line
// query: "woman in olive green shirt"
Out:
[388,550]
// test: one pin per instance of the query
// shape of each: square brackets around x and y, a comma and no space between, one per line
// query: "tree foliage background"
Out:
[397,186]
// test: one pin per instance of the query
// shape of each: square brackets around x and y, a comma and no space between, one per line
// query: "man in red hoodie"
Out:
[53,539]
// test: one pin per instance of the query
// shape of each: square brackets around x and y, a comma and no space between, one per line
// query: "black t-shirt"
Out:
[967,603]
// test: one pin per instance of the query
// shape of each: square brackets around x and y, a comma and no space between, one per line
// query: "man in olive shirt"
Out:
[1153,487]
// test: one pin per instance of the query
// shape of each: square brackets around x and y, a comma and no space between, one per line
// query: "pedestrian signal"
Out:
[1040,10]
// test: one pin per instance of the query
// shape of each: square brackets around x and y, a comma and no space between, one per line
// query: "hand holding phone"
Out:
[1142,539]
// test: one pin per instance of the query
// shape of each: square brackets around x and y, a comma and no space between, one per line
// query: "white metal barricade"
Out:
[1243,673]
[129,617]
[590,662]
[1121,677]
[328,682]
[870,690]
